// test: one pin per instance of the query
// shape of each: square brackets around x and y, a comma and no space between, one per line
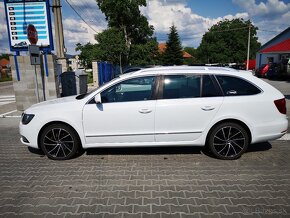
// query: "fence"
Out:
[107,72]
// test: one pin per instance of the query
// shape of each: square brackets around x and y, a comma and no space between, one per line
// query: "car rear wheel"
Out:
[59,142]
[228,141]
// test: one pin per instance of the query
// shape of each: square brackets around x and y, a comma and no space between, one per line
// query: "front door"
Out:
[126,114]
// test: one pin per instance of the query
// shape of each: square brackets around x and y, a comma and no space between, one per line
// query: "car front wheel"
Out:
[228,141]
[59,142]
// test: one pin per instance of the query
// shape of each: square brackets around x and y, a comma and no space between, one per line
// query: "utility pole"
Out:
[249,42]
[60,47]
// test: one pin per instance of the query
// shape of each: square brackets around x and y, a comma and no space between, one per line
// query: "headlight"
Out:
[26,118]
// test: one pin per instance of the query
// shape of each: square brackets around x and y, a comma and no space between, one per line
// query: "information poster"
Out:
[21,13]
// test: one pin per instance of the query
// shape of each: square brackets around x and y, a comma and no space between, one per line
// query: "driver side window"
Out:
[137,89]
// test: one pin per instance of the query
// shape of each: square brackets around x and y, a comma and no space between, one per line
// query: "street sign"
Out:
[32,34]
[21,13]
[34,54]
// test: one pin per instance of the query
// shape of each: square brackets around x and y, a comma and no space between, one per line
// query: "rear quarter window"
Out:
[234,86]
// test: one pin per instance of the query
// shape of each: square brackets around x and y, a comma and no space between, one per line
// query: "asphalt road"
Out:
[144,182]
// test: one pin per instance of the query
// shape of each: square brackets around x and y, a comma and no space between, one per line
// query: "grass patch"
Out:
[5,79]
[90,76]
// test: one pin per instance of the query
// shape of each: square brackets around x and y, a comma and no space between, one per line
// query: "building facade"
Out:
[277,50]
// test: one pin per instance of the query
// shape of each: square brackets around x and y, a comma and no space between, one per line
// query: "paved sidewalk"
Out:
[142,182]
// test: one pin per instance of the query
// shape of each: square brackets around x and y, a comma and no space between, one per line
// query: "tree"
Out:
[125,15]
[128,38]
[112,45]
[192,51]
[226,42]
[89,53]
[3,55]
[173,53]
[144,54]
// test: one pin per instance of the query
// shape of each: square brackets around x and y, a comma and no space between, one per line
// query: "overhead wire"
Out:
[83,9]
[81,16]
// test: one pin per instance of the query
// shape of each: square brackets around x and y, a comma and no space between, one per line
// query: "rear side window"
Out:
[209,89]
[181,86]
[233,86]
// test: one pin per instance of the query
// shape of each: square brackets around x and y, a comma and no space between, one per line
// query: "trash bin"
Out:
[68,84]
[81,82]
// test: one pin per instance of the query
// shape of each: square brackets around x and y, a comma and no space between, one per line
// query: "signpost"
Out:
[20,14]
[34,52]
[32,34]
[34,55]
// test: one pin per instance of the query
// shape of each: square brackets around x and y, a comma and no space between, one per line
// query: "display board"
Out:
[21,13]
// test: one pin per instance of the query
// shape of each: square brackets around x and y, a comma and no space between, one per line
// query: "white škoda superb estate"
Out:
[221,108]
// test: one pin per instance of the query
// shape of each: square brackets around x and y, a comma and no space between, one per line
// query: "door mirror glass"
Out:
[98,99]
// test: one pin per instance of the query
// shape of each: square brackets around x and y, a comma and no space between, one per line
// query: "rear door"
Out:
[186,105]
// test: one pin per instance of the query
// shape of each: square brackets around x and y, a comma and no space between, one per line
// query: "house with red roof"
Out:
[4,67]
[276,50]
[162,47]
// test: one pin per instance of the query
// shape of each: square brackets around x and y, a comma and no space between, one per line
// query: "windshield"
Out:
[82,96]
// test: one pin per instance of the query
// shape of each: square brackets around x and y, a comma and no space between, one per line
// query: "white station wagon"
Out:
[223,109]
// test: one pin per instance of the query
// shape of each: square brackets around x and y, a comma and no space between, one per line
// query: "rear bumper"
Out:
[270,131]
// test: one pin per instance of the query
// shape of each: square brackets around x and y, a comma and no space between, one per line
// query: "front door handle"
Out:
[207,108]
[145,111]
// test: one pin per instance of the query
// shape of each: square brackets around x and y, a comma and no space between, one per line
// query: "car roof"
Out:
[205,70]
[186,69]
[182,69]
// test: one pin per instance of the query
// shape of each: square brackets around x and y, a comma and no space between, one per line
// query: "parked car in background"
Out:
[274,71]
[285,67]
[262,70]
[219,108]
[132,69]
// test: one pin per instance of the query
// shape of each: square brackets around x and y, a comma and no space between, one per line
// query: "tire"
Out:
[228,141]
[59,142]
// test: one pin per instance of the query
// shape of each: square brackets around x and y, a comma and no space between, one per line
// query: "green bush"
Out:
[90,76]
[5,79]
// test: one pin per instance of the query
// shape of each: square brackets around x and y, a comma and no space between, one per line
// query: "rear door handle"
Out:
[145,111]
[207,108]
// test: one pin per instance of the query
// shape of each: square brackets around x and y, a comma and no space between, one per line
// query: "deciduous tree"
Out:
[226,42]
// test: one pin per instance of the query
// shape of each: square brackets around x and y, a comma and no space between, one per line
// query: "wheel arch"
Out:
[233,121]
[55,122]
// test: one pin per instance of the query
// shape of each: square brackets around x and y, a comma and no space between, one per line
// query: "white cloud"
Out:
[76,31]
[271,17]
[269,8]
[190,26]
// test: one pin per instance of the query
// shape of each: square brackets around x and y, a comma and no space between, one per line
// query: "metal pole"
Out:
[36,85]
[42,69]
[249,42]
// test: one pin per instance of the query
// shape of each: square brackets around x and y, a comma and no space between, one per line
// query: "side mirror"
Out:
[98,99]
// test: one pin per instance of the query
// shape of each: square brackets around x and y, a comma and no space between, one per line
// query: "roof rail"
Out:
[199,68]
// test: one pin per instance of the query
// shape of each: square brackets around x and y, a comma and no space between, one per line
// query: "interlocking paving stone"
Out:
[142,182]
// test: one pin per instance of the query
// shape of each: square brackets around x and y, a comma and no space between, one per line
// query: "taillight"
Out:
[281,105]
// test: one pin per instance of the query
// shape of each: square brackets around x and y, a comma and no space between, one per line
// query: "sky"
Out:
[191,17]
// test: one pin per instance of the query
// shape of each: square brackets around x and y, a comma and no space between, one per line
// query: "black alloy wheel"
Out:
[228,141]
[59,142]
